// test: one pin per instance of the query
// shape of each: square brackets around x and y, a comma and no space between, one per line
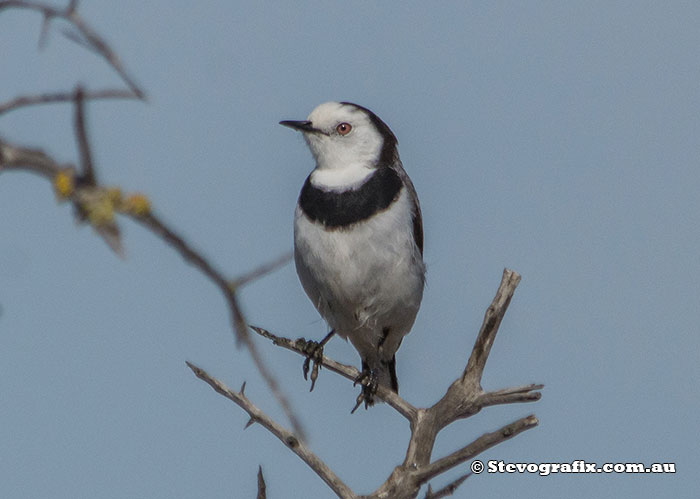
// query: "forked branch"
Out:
[463,398]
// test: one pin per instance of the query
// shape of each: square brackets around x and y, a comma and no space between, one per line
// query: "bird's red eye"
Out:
[343,128]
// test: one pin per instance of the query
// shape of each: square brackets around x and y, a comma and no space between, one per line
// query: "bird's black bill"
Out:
[302,126]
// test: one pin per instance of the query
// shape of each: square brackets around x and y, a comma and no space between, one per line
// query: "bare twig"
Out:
[448,489]
[391,398]
[262,270]
[526,393]
[289,439]
[92,39]
[14,157]
[88,171]
[36,161]
[475,448]
[240,327]
[262,493]
[57,97]
[489,328]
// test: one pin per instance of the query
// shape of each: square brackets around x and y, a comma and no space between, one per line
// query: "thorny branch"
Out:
[391,398]
[463,398]
[285,436]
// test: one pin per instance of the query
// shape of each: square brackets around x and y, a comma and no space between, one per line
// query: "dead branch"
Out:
[261,271]
[489,328]
[288,438]
[475,448]
[463,398]
[57,97]
[85,197]
[448,489]
[85,35]
[349,372]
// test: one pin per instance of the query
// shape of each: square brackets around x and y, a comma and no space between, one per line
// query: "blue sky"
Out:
[553,138]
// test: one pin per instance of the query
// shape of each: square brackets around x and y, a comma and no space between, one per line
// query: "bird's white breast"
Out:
[363,277]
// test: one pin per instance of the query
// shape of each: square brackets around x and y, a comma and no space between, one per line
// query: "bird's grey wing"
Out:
[417,215]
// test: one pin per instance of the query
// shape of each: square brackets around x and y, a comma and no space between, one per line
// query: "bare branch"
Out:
[262,270]
[289,439]
[56,97]
[13,157]
[239,323]
[489,328]
[475,448]
[92,39]
[511,395]
[391,398]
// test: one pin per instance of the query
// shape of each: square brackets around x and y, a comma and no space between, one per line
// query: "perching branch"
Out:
[463,398]
[349,372]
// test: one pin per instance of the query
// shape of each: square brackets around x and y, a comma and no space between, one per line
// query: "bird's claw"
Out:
[368,380]
[314,353]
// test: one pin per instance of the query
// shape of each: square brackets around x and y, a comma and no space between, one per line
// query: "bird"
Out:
[358,239]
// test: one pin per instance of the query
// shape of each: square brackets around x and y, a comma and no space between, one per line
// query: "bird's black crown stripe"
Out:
[342,209]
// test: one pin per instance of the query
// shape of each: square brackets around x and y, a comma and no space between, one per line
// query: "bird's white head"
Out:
[342,135]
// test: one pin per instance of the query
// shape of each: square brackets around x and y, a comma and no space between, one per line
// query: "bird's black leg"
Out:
[314,353]
[368,380]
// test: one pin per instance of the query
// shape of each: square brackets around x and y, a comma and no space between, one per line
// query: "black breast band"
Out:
[342,209]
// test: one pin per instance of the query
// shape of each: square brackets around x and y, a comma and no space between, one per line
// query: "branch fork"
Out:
[464,397]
